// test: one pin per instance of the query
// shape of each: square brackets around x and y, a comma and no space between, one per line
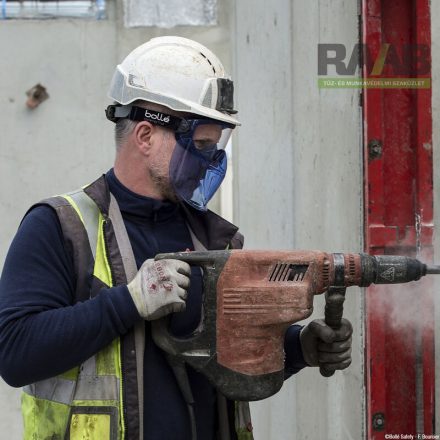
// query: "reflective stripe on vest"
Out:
[85,401]
[87,387]
[55,389]
[92,220]
[88,212]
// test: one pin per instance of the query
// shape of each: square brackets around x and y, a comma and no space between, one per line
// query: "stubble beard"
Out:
[163,184]
[159,169]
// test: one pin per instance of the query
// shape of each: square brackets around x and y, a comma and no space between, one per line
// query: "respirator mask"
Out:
[198,163]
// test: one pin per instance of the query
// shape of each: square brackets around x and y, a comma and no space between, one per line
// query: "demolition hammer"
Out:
[251,297]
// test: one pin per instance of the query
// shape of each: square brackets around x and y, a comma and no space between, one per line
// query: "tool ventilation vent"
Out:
[351,266]
[288,272]
[326,272]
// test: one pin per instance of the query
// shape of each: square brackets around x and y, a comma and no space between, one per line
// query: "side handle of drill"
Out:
[335,296]
[333,311]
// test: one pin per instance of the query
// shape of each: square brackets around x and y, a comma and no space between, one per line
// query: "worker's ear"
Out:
[142,135]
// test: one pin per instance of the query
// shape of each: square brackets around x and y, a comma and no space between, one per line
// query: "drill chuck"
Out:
[392,269]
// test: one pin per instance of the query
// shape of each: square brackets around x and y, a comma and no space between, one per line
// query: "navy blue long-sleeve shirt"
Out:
[42,333]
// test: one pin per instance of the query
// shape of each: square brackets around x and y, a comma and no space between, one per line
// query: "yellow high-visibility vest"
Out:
[89,402]
[85,402]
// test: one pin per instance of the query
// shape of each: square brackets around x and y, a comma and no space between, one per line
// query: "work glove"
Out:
[160,287]
[324,347]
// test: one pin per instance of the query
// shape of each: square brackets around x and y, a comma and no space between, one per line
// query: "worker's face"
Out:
[162,145]
[206,137]
[198,163]
[188,166]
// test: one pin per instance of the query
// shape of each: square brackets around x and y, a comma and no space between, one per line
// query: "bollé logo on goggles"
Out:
[159,117]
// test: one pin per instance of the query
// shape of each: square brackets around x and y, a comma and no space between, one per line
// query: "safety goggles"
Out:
[198,164]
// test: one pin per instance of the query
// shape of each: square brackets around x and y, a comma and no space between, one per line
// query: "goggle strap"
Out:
[116,112]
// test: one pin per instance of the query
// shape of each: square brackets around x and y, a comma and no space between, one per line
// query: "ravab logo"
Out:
[414,59]
[406,64]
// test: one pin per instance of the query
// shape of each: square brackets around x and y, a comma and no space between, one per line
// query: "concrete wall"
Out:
[66,142]
[298,184]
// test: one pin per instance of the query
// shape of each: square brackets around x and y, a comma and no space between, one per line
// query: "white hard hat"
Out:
[178,73]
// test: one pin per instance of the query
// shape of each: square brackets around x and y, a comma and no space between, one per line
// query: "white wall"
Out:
[66,142]
[298,184]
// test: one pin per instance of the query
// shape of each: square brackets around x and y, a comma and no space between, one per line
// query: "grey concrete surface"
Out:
[298,184]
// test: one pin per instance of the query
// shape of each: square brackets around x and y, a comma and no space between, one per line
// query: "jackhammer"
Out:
[252,297]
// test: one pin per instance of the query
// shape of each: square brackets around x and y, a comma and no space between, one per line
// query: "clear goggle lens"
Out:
[198,165]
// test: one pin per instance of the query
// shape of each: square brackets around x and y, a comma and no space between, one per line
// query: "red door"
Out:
[399,339]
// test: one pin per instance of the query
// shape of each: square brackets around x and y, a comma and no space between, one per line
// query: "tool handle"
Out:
[334,309]
[211,262]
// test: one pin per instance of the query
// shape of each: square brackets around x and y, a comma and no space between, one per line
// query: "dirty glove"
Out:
[322,346]
[160,287]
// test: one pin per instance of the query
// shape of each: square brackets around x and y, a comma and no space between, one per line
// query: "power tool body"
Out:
[251,297]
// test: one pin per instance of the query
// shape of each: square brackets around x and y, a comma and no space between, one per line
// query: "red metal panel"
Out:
[399,347]
[424,197]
